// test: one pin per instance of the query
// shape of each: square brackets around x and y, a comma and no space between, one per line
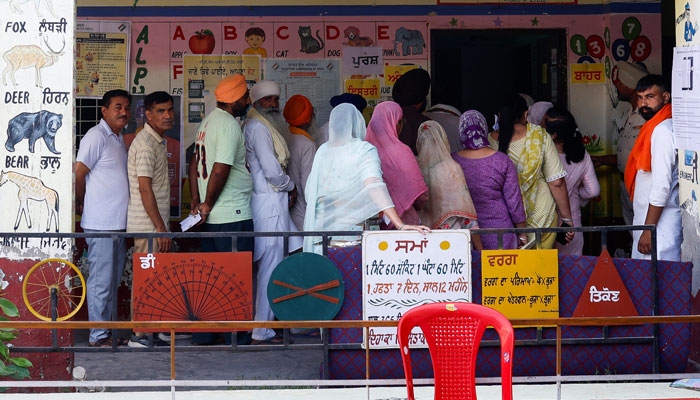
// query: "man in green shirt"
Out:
[220,183]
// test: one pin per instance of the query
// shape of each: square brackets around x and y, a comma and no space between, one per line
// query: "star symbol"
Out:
[534,21]
[453,21]
[497,21]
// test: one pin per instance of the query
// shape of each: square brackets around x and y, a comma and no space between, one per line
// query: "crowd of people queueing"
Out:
[409,168]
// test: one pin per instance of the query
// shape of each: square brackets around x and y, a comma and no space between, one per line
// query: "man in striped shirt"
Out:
[149,183]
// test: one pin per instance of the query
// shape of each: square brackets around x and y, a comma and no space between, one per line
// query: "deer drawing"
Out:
[27,56]
[32,188]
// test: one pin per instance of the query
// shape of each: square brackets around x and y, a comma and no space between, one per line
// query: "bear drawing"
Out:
[32,126]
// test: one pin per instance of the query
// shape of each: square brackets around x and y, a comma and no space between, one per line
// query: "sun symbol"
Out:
[383,246]
[445,245]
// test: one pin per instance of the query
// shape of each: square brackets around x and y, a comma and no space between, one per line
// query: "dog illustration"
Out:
[352,33]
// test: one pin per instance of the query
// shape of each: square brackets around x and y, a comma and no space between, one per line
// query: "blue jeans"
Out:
[103,281]
[224,244]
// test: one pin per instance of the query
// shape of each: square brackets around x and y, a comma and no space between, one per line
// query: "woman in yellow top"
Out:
[540,171]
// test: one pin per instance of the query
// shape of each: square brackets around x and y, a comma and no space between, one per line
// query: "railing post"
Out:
[558,362]
[115,284]
[655,296]
[54,317]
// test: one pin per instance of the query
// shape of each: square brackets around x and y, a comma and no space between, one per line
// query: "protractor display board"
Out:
[192,287]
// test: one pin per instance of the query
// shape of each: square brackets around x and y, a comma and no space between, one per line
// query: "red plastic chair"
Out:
[453,332]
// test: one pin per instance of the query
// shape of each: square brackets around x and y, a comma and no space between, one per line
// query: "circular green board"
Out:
[305,287]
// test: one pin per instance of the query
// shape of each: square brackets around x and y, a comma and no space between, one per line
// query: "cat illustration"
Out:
[309,44]
[354,38]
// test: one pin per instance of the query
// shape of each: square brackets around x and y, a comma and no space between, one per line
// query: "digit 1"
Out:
[368,286]
[690,78]
[204,163]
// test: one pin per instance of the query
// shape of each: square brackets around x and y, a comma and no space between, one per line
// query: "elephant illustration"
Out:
[411,41]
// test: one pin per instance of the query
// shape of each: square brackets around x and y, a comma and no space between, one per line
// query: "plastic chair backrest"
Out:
[453,332]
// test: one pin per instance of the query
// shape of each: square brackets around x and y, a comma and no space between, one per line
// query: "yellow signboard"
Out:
[521,283]
[393,72]
[367,88]
[587,73]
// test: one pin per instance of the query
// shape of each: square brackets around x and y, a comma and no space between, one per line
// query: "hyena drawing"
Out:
[32,188]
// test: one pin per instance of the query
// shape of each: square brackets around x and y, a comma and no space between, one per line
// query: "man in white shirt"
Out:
[651,175]
[102,197]
[267,153]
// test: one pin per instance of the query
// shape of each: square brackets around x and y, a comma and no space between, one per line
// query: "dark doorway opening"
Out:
[475,69]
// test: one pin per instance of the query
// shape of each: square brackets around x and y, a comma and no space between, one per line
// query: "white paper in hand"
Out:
[190,221]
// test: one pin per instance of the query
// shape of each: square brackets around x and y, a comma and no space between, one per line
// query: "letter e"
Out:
[383,32]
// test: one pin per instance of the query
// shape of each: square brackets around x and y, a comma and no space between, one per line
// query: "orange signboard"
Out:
[605,295]
[192,287]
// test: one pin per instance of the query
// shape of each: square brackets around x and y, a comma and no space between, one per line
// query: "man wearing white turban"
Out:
[267,153]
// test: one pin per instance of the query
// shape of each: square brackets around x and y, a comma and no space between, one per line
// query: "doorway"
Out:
[475,69]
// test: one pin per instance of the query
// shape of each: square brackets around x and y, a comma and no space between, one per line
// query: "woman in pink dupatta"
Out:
[400,169]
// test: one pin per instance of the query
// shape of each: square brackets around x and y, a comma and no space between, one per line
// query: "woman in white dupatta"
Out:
[345,186]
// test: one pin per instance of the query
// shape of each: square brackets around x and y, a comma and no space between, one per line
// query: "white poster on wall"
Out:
[685,94]
[36,181]
[402,270]
[318,80]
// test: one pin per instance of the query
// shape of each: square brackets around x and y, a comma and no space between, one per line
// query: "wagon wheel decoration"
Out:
[56,275]
[193,290]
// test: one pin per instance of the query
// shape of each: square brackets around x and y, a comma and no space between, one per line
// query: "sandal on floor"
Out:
[104,342]
[272,340]
[312,333]
[107,342]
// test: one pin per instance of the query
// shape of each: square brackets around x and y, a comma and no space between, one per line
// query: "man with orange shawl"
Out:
[299,114]
[651,174]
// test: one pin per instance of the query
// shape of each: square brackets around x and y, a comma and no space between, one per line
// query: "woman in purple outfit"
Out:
[492,181]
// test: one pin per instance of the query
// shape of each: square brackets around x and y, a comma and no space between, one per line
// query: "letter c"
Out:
[279,32]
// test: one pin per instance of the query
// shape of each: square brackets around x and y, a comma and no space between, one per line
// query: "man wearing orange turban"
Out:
[299,113]
[220,183]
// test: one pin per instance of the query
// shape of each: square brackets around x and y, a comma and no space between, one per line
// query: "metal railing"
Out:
[325,346]
[247,325]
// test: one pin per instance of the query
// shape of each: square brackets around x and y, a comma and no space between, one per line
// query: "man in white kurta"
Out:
[655,199]
[267,155]
[299,114]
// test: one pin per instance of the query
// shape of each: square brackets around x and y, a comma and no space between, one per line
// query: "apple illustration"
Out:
[202,42]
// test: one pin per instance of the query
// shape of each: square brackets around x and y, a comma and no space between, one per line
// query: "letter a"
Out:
[178,33]
[143,36]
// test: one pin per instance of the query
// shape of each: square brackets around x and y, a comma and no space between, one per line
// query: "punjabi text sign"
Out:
[101,57]
[521,283]
[402,270]
[202,74]
[587,73]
